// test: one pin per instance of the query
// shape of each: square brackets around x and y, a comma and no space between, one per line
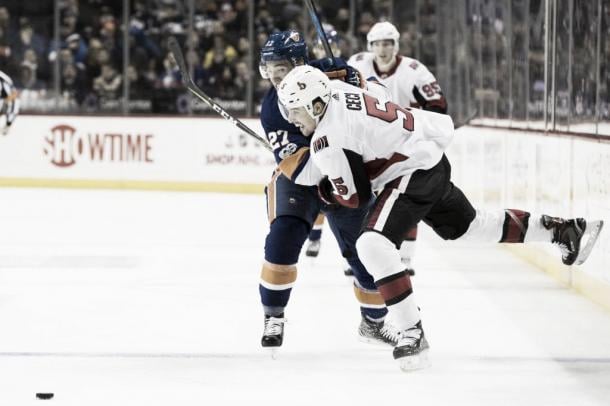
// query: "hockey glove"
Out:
[337,68]
[325,191]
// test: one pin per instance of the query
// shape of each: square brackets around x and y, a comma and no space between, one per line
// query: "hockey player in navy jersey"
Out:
[9,102]
[292,208]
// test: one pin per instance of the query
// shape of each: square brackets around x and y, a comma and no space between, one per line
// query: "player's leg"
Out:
[400,206]
[454,217]
[574,237]
[345,225]
[312,248]
[291,211]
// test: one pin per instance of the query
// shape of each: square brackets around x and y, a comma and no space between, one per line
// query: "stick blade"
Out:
[174,48]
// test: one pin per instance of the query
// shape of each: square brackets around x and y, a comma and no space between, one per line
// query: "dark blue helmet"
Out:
[333,40]
[285,45]
[331,34]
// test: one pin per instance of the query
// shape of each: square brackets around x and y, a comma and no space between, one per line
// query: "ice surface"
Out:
[151,298]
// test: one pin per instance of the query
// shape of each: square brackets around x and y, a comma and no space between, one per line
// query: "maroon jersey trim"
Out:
[389,73]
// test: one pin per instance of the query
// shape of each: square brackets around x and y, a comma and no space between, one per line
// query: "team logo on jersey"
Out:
[320,144]
[301,85]
[288,150]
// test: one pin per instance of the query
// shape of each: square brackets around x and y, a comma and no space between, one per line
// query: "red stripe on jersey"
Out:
[376,167]
[381,200]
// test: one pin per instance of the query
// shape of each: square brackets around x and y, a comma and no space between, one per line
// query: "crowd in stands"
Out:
[85,58]
[87,62]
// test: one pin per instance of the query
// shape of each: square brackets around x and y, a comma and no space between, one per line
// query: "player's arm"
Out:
[346,181]
[12,109]
[291,153]
[300,169]
[11,101]
[427,90]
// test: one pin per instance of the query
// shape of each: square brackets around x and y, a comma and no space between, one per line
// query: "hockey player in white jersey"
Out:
[363,143]
[409,82]
[9,103]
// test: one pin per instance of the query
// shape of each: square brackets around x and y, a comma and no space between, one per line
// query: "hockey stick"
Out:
[467,120]
[174,47]
[315,19]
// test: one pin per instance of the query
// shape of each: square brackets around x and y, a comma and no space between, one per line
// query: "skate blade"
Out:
[592,232]
[414,362]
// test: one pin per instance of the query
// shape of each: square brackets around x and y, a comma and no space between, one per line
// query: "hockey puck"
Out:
[44,395]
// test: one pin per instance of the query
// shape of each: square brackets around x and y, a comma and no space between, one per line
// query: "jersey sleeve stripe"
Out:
[292,165]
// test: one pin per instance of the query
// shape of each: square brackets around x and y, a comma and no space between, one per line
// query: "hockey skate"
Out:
[373,332]
[569,234]
[273,335]
[411,351]
[313,248]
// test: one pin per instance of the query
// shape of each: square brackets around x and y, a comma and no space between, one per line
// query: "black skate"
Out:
[411,351]
[273,336]
[374,332]
[568,235]
[313,248]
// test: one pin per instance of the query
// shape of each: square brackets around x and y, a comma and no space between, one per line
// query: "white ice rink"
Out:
[151,298]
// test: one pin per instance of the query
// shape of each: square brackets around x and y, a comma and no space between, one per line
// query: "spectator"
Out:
[28,77]
[220,48]
[73,83]
[108,85]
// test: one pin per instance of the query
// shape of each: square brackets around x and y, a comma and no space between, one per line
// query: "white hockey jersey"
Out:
[309,174]
[406,82]
[392,141]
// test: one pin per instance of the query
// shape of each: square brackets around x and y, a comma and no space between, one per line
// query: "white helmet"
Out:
[302,87]
[381,31]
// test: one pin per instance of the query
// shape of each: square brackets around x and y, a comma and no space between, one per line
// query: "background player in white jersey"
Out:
[9,103]
[408,80]
[361,144]
[410,83]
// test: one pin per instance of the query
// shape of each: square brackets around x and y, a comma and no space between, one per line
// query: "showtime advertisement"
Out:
[176,150]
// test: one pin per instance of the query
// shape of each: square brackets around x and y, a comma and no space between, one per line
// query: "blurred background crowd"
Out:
[500,58]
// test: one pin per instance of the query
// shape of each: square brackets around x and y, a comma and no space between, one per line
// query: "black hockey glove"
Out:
[325,191]
[337,68]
